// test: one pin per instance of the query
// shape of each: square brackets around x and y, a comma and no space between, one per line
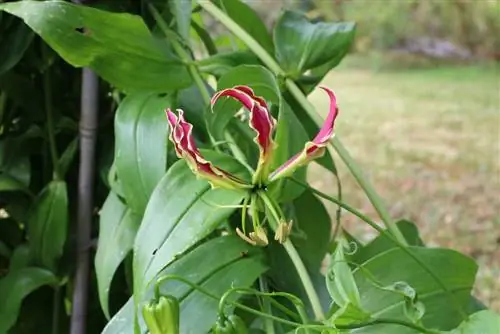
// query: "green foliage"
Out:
[140,146]
[159,229]
[81,37]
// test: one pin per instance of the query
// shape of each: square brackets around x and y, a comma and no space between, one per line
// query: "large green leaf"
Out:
[290,139]
[482,322]
[118,226]
[216,265]
[456,271]
[249,21]
[140,147]
[310,236]
[302,45]
[118,46]
[15,287]
[260,79]
[382,243]
[182,210]
[48,224]
[17,39]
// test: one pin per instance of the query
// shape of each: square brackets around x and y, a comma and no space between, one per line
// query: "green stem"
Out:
[400,245]
[299,306]
[297,261]
[268,323]
[356,172]
[287,322]
[269,61]
[47,90]
[235,304]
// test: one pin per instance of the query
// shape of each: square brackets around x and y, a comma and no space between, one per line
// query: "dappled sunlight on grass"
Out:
[429,142]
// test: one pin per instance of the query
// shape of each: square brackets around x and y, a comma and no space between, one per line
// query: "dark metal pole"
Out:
[88,129]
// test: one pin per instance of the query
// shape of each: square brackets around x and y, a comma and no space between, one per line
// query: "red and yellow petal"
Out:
[185,148]
[312,149]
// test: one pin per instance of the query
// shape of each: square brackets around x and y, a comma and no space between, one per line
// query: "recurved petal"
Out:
[312,149]
[261,122]
[185,147]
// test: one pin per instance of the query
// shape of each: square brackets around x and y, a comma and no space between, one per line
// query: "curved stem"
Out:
[403,247]
[299,306]
[235,304]
[269,61]
[297,261]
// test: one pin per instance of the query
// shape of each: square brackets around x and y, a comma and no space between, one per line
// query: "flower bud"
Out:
[230,325]
[162,316]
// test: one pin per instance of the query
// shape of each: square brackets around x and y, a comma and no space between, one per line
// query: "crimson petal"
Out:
[315,148]
[185,148]
[261,122]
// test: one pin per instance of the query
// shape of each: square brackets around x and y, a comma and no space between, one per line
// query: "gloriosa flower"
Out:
[263,124]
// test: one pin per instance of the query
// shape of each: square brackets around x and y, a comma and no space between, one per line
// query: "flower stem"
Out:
[297,261]
[271,63]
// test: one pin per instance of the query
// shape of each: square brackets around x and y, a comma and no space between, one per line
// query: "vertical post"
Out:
[87,129]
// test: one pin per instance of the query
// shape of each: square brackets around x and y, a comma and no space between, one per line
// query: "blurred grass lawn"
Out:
[428,139]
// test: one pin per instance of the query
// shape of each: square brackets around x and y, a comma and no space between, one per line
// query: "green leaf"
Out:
[456,271]
[118,226]
[15,287]
[340,279]
[67,157]
[302,45]
[222,63]
[48,224]
[217,266]
[414,309]
[482,322]
[21,258]
[124,53]
[248,20]
[15,41]
[140,146]
[181,9]
[381,243]
[14,165]
[182,210]
[257,77]
[290,139]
